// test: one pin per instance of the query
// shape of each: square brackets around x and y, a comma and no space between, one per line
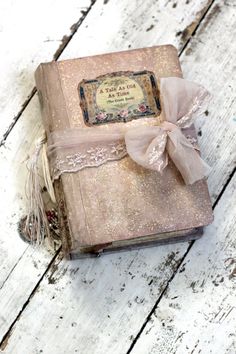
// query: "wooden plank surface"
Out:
[107,289]
[197,314]
[21,141]
[42,37]
[123,24]
[21,266]
[210,59]
[31,32]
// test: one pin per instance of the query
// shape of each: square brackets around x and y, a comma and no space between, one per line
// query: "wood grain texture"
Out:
[197,314]
[98,302]
[30,33]
[21,266]
[124,287]
[21,140]
[122,25]
[28,128]
[210,60]
[42,37]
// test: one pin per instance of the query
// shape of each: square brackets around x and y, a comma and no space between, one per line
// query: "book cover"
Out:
[117,203]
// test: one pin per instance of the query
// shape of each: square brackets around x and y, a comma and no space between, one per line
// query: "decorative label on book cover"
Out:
[119,97]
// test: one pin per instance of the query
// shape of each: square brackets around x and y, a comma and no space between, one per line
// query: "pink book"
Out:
[119,203]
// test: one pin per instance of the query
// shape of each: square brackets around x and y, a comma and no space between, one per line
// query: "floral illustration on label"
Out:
[119,97]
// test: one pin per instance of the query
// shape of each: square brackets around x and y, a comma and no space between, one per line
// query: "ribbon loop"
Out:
[181,100]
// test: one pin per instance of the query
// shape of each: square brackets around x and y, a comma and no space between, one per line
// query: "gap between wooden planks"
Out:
[144,252]
[27,42]
[197,312]
[153,335]
[41,48]
[31,129]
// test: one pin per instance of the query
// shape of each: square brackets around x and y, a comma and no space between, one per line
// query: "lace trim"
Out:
[95,156]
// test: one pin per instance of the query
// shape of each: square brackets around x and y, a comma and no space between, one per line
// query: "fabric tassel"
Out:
[37,224]
[46,174]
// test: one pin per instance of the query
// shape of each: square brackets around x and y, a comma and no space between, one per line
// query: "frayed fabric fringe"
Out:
[37,224]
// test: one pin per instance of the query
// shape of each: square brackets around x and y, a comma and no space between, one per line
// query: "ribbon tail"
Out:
[146,146]
[187,160]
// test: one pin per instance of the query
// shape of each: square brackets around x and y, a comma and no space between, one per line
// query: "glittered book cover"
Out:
[112,201]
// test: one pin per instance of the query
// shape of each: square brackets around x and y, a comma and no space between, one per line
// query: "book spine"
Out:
[53,103]
[53,109]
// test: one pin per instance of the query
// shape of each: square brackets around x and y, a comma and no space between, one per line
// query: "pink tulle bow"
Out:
[149,146]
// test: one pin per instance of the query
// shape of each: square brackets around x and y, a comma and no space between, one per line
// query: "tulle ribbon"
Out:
[148,145]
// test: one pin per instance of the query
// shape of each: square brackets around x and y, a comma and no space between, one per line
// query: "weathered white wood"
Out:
[17,283]
[90,305]
[114,25]
[210,60]
[23,135]
[198,312]
[123,24]
[96,300]
[30,32]
[12,176]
